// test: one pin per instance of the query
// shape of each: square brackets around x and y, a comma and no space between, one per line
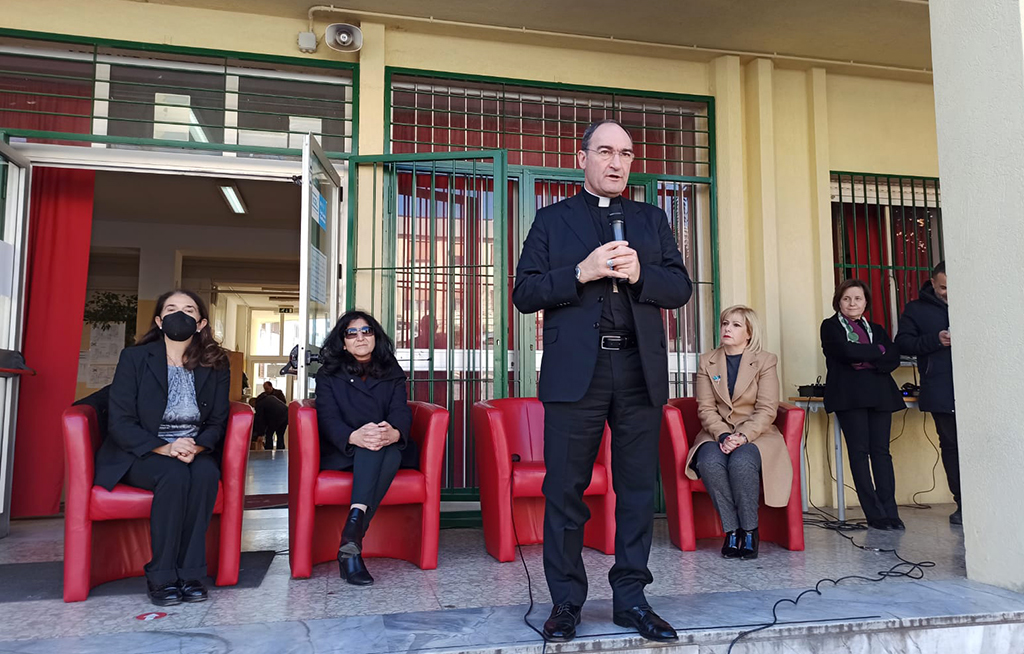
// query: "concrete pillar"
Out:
[764,249]
[978,57]
[733,246]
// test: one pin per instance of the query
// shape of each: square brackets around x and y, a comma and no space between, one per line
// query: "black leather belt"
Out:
[617,341]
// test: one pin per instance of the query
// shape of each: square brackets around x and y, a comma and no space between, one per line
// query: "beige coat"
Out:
[750,411]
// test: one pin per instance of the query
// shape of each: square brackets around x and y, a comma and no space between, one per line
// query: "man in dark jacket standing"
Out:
[924,332]
[601,267]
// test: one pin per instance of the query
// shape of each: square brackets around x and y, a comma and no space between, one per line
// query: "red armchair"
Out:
[687,503]
[408,522]
[516,426]
[115,524]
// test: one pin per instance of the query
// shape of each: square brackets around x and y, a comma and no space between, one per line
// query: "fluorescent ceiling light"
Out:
[233,198]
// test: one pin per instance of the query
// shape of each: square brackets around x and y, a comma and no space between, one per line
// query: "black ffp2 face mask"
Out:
[178,326]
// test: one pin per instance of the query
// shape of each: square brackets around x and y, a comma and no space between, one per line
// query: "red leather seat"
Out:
[115,524]
[688,506]
[516,426]
[407,524]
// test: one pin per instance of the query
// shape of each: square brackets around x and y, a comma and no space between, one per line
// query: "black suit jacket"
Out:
[562,236]
[344,403]
[848,388]
[138,399]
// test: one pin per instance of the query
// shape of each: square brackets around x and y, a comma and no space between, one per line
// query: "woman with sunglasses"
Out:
[364,420]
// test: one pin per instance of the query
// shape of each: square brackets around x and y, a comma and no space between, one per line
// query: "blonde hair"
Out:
[753,325]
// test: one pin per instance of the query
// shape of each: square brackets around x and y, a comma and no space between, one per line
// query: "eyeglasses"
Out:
[607,154]
[353,332]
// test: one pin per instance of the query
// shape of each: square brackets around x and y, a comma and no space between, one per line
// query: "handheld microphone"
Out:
[618,234]
[618,227]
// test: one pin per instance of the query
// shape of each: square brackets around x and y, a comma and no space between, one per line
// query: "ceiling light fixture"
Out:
[233,198]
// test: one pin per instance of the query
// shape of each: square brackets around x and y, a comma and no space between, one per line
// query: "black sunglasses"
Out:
[353,332]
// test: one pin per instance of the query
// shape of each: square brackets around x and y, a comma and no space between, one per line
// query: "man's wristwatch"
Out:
[577,273]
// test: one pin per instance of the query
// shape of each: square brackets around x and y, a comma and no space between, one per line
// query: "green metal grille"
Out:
[427,247]
[887,231]
[81,94]
[542,126]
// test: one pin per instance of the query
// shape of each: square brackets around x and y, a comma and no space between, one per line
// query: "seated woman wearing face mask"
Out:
[168,416]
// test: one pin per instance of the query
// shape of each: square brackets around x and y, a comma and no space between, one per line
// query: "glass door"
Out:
[318,272]
[14,185]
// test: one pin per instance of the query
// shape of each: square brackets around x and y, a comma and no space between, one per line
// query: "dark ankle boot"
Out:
[731,547]
[751,541]
[352,533]
[353,570]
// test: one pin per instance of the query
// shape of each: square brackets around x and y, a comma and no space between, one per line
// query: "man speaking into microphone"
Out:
[604,359]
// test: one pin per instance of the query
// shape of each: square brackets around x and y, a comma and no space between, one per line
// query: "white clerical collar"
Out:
[601,200]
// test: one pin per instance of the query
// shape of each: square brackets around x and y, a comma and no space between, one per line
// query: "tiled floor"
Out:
[471,600]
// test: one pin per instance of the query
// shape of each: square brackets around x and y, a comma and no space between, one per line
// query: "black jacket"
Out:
[920,324]
[848,388]
[563,235]
[138,399]
[271,414]
[344,403]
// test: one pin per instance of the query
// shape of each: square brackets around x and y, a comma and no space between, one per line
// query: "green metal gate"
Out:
[428,255]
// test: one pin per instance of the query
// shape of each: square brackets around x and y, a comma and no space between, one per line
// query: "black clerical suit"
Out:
[583,382]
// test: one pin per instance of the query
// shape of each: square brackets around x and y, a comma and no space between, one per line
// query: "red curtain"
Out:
[60,230]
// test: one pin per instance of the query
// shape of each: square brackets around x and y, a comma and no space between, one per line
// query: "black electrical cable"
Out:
[938,457]
[913,569]
[828,452]
[519,548]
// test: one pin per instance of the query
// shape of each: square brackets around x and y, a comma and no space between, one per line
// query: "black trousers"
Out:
[183,499]
[268,440]
[945,424]
[867,435]
[572,438]
[372,474]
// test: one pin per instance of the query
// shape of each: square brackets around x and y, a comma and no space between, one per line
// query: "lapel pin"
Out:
[716,378]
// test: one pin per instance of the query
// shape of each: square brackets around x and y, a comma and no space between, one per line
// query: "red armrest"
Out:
[430,431]
[236,451]
[81,439]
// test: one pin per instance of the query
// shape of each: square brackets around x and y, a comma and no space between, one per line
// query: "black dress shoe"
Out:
[731,547]
[956,517]
[896,523]
[352,533]
[192,590]
[751,542]
[353,570]
[882,524]
[646,622]
[164,594]
[560,626]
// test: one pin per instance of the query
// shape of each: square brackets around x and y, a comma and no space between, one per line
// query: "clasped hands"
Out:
[731,442]
[374,435]
[182,449]
[614,259]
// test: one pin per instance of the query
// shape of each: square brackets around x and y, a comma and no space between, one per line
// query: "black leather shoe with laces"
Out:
[164,594]
[560,626]
[647,623]
[193,590]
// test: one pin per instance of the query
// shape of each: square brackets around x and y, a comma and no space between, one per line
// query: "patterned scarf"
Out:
[851,335]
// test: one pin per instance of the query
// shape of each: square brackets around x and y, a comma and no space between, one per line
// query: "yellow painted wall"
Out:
[850,123]
[882,126]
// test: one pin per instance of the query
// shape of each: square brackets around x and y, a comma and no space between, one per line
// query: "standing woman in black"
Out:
[859,388]
[364,421]
[168,416]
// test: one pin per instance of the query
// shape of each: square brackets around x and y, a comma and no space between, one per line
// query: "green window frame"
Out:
[132,95]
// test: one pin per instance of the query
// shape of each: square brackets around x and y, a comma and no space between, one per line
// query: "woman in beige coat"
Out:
[737,399]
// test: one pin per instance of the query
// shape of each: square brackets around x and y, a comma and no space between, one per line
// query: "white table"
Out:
[812,404]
